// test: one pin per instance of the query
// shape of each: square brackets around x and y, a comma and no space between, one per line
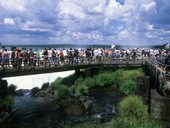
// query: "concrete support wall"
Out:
[160,107]
[144,86]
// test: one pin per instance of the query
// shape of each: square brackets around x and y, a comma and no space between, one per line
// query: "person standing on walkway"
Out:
[5,56]
[45,54]
[30,54]
[38,57]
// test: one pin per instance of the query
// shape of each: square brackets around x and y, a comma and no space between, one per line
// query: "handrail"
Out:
[123,61]
[21,65]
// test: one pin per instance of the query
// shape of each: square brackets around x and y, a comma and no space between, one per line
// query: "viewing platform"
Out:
[160,72]
[10,72]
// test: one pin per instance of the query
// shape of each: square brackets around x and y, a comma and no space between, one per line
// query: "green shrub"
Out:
[127,80]
[61,91]
[133,114]
[123,123]
[104,79]
[128,87]
[132,106]
[89,82]
[78,82]
[122,75]
[129,122]
[7,102]
[132,74]
[34,90]
[57,82]
[82,86]
[81,89]
[117,76]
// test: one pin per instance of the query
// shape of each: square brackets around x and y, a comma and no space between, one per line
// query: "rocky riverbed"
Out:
[101,102]
[42,112]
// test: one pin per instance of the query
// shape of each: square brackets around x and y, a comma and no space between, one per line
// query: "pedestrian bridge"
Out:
[9,72]
[158,71]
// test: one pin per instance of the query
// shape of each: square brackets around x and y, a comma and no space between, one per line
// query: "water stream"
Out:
[31,112]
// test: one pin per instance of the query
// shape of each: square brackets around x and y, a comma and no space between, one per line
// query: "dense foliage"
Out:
[7,102]
[132,106]
[133,114]
[125,79]
[129,122]
[129,87]
[61,91]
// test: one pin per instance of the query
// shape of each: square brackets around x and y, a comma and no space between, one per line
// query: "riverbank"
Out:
[30,112]
[82,98]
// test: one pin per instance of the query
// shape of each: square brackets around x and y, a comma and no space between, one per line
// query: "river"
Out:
[36,112]
[29,112]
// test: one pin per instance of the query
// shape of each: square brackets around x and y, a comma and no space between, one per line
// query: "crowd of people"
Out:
[18,58]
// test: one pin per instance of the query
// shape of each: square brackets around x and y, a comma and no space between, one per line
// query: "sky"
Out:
[85,21]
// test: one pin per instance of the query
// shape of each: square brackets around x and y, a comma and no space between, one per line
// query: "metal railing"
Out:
[20,64]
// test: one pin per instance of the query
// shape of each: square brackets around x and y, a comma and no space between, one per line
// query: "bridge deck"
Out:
[50,69]
[160,69]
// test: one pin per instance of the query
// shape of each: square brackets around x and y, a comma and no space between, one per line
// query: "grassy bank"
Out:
[126,80]
[132,113]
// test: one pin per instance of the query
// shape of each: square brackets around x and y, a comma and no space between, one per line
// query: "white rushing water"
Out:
[28,82]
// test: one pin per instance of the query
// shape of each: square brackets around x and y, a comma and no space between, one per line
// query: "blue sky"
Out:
[84,21]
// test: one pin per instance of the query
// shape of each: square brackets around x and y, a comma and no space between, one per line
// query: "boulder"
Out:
[82,98]
[19,93]
[88,104]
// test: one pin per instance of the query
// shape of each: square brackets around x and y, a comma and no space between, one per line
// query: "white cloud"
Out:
[90,36]
[149,26]
[9,21]
[112,11]
[90,21]
[97,6]
[68,8]
[150,35]
[18,5]
[124,34]
[36,29]
[149,6]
